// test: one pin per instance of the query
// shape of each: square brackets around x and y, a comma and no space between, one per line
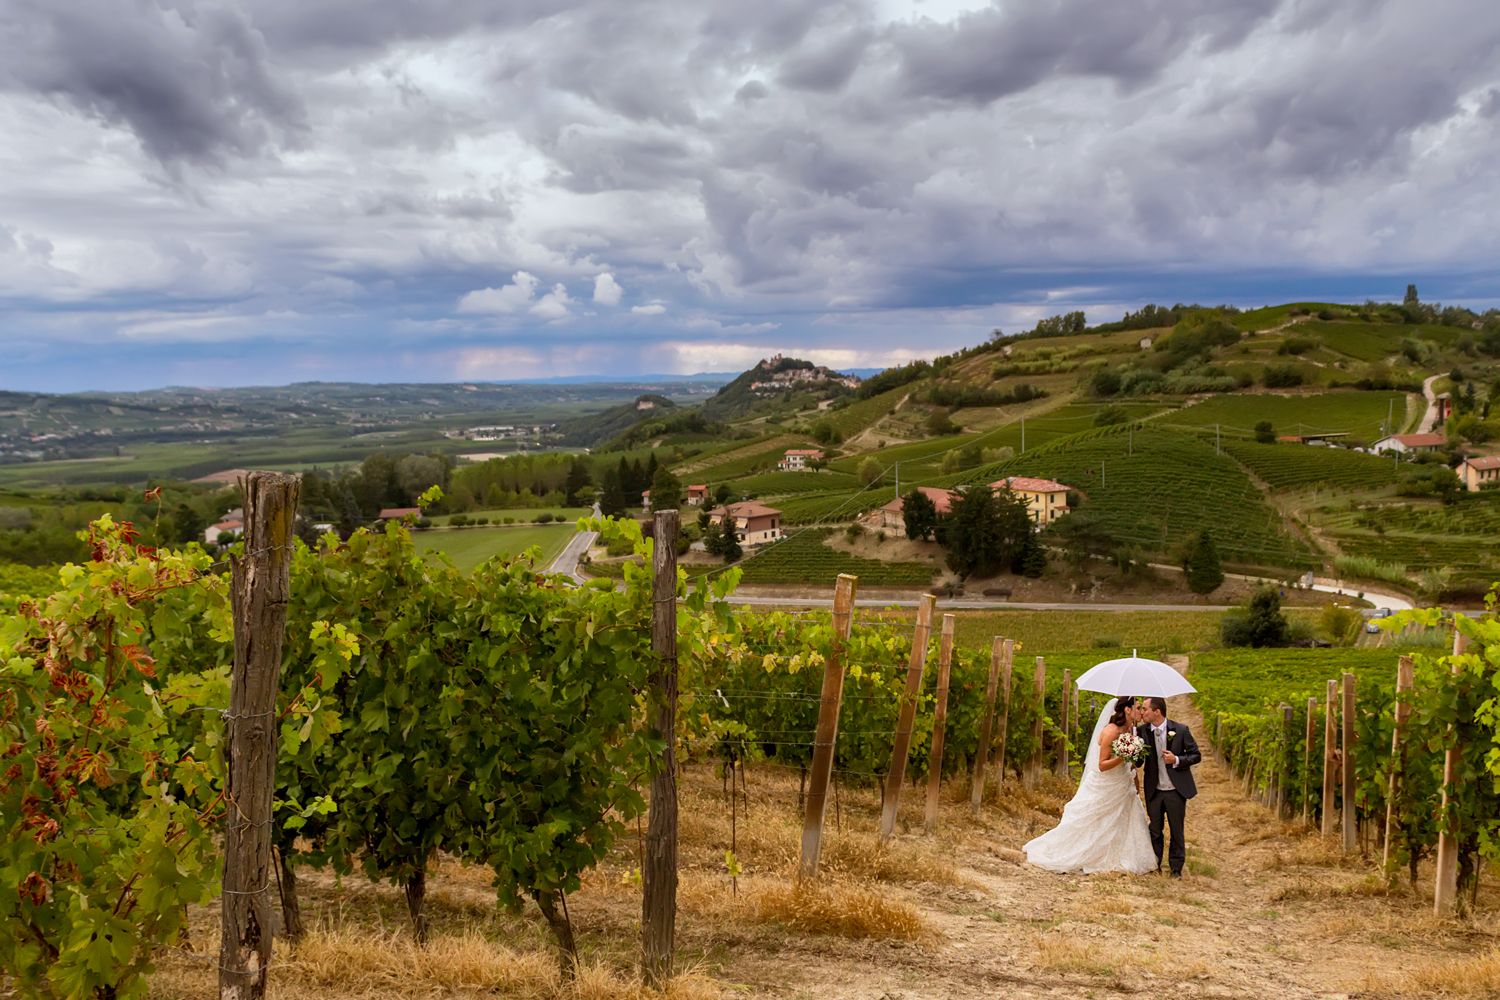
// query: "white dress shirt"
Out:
[1163,775]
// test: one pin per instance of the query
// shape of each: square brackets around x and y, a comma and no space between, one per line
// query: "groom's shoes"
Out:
[1177,874]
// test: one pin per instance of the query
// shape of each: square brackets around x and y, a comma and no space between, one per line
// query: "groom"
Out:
[1170,755]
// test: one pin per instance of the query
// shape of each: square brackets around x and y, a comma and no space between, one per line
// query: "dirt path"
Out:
[1264,910]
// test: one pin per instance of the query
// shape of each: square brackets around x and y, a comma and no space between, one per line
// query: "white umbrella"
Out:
[1135,675]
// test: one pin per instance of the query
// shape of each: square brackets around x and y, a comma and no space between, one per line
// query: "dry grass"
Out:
[843,910]
[1056,953]
[1474,976]
[859,854]
[345,964]
[1372,885]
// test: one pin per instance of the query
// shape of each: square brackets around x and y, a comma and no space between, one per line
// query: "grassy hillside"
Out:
[1363,415]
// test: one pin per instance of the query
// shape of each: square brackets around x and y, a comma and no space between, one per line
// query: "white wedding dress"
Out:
[1104,828]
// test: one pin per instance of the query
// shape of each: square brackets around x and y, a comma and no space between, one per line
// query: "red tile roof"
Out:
[1483,462]
[746,508]
[1029,484]
[394,513]
[809,452]
[1420,440]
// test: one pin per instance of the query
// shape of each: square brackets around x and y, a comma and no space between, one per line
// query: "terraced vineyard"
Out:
[784,483]
[850,420]
[1165,485]
[803,558]
[1361,414]
[1303,467]
[819,508]
[1430,536]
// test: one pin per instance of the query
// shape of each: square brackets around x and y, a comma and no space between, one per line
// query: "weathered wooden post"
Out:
[1405,681]
[828,726]
[1307,752]
[896,776]
[659,873]
[1351,814]
[1445,882]
[981,756]
[1330,756]
[260,585]
[1033,772]
[939,724]
[1065,745]
[1283,777]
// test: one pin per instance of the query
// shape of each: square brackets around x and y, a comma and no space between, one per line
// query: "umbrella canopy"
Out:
[1135,675]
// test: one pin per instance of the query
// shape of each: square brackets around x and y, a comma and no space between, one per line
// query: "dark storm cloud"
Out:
[851,174]
[191,80]
[999,51]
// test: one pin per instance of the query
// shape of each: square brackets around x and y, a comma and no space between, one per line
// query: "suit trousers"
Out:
[1168,807]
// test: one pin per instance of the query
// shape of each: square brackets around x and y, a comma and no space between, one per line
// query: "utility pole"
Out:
[898,480]
[1023,435]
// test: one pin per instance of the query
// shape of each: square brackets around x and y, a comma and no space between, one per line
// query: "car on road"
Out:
[1373,625]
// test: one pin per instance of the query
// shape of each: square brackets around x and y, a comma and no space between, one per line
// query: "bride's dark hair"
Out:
[1117,718]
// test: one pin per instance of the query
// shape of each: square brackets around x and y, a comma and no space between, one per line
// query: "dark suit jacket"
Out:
[1184,746]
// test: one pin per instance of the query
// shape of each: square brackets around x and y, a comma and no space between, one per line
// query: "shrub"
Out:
[459,520]
[1281,377]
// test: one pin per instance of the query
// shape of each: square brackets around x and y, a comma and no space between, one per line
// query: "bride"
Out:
[1104,828]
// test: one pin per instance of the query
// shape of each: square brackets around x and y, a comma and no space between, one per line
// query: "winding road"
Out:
[567,562]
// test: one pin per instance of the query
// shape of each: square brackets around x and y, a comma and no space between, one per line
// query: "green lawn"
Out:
[468,547]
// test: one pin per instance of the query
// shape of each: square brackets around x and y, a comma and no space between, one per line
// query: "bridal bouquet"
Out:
[1129,747]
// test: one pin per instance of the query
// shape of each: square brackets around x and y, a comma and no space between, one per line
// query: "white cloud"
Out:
[649,309]
[553,305]
[607,290]
[511,298]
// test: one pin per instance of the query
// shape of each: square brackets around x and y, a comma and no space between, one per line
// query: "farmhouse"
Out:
[892,515]
[799,459]
[1047,500]
[399,513]
[1478,472]
[234,521]
[697,494]
[1409,444]
[754,522]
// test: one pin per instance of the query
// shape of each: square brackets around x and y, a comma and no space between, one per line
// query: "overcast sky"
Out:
[223,192]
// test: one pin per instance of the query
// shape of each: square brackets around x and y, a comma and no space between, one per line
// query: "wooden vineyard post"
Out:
[1307,752]
[999,652]
[260,584]
[1007,671]
[659,873]
[1405,681]
[1330,756]
[939,725]
[1283,777]
[828,726]
[1033,771]
[1351,814]
[896,776]
[1445,885]
[1064,745]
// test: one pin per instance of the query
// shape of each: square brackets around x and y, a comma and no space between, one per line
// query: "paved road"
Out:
[567,560]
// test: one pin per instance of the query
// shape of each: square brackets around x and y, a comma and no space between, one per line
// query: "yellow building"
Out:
[1047,500]
[1477,473]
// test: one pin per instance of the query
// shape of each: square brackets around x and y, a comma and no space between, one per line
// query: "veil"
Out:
[1091,758]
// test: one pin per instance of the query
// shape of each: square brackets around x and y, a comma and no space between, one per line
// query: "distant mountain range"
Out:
[716,378]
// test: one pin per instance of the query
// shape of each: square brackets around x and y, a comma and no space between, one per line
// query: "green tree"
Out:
[612,501]
[578,479]
[919,514]
[1105,383]
[1259,624]
[729,543]
[1265,432]
[666,490]
[1200,564]
[1411,296]
[870,471]
[987,533]
[1082,537]
[940,424]
[188,524]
